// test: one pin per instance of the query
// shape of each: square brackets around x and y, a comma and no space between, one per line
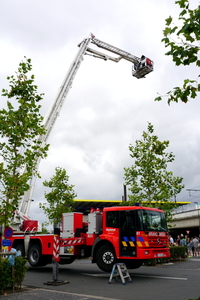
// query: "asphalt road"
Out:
[178,281]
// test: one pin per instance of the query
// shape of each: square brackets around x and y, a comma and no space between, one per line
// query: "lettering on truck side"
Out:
[152,233]
[110,230]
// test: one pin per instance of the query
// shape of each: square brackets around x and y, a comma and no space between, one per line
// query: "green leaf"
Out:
[173,29]
[167,31]
[183,12]
[158,99]
[165,40]
[168,21]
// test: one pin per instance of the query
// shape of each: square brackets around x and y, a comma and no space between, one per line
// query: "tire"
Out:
[35,256]
[133,264]
[105,258]
[20,249]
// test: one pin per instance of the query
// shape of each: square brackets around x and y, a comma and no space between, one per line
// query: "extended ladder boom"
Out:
[65,87]
[140,69]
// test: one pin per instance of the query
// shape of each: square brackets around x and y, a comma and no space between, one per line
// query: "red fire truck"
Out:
[141,69]
[128,234]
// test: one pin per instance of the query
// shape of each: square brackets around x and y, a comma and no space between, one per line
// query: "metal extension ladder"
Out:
[120,270]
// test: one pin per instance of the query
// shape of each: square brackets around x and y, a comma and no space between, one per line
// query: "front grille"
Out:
[157,241]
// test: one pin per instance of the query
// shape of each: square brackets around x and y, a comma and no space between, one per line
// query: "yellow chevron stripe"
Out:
[139,244]
[132,244]
[147,244]
[124,244]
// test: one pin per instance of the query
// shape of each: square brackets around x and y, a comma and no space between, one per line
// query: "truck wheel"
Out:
[35,256]
[105,258]
[20,249]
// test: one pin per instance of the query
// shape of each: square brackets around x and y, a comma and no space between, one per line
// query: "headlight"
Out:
[68,249]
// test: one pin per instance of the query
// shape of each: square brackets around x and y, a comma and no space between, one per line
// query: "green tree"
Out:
[44,229]
[183,43]
[60,198]
[20,148]
[148,178]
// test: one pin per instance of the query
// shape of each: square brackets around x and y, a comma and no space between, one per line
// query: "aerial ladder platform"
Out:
[140,68]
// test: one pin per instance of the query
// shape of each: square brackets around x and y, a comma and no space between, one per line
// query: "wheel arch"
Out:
[35,242]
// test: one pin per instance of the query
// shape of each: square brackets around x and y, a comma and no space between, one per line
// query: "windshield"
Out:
[136,220]
[153,220]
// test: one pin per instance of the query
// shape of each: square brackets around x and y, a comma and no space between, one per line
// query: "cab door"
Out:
[127,240]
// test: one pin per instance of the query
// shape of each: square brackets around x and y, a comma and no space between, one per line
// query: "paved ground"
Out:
[179,281]
[43,294]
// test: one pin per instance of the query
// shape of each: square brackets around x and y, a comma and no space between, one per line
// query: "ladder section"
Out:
[126,55]
[67,84]
[120,270]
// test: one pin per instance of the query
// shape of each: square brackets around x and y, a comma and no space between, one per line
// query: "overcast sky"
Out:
[107,109]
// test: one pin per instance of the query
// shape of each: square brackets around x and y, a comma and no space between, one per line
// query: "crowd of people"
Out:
[192,244]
